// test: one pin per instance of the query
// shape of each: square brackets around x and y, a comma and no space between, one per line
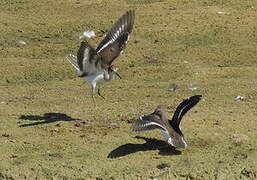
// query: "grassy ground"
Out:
[50,130]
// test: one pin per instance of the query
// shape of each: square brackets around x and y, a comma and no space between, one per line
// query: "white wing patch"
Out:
[182,110]
[149,123]
[115,36]
[86,58]
[145,123]
[104,46]
[73,60]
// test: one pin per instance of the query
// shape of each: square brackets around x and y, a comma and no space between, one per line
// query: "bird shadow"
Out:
[46,118]
[150,145]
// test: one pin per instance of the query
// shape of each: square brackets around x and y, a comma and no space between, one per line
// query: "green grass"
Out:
[208,43]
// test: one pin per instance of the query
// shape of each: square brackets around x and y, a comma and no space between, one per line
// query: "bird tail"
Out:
[73,60]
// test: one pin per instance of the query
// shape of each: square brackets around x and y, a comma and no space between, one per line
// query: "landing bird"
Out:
[95,65]
[170,129]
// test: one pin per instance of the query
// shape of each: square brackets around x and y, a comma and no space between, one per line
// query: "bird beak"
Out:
[118,75]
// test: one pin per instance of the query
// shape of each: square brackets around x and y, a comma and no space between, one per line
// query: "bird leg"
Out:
[117,74]
[93,97]
[98,92]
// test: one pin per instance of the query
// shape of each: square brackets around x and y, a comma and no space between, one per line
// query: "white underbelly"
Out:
[177,141]
[95,78]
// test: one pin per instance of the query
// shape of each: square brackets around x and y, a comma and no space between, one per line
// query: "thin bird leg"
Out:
[93,97]
[117,74]
[98,92]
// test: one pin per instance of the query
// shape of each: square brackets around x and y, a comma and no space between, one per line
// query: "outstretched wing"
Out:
[181,110]
[73,60]
[116,39]
[87,59]
[146,123]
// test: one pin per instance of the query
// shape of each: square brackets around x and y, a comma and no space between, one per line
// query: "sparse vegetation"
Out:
[49,128]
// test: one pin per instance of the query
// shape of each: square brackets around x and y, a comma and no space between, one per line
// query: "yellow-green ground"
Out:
[49,128]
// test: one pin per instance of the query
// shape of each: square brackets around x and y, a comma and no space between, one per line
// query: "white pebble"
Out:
[238,98]
[221,12]
[21,42]
[190,87]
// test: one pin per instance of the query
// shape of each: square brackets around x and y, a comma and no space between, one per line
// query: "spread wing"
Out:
[181,110]
[146,123]
[87,59]
[73,60]
[116,39]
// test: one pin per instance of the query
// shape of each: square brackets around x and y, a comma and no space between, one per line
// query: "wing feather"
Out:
[115,40]
[182,109]
[73,60]
[145,124]
[87,58]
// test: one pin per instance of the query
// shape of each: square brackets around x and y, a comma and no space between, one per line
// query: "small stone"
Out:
[173,87]
[14,156]
[57,155]
[82,136]
[85,121]
[56,130]
[132,65]
[216,123]
[58,125]
[163,165]
[25,142]
[77,124]
[6,135]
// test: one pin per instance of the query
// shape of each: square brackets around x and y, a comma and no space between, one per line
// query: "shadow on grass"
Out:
[149,145]
[46,118]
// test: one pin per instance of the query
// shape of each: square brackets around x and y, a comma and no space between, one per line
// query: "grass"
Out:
[208,43]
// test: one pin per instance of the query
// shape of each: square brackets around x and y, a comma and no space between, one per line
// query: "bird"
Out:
[95,64]
[170,129]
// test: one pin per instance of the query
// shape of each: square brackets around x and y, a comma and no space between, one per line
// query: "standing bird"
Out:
[95,65]
[170,129]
